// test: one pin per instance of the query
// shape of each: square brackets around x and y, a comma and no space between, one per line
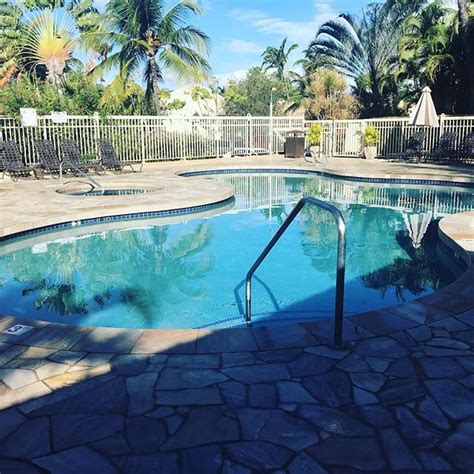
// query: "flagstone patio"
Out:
[261,399]
[398,396]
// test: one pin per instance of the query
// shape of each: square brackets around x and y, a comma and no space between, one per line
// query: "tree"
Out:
[50,43]
[466,31]
[277,58]
[324,96]
[430,53]
[41,36]
[251,95]
[176,104]
[145,36]
[199,94]
[364,49]
[123,97]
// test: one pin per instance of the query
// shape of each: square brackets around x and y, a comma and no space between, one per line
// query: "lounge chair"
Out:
[465,153]
[48,156]
[72,158]
[13,164]
[108,156]
[445,150]
[414,146]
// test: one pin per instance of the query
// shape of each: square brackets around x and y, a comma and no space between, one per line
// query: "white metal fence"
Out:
[138,138]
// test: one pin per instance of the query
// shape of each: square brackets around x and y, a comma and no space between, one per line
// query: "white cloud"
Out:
[224,78]
[244,47]
[301,32]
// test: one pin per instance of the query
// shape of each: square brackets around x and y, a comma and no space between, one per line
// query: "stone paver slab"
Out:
[140,391]
[192,396]
[226,340]
[176,379]
[382,323]
[16,378]
[50,370]
[71,430]
[113,340]
[258,373]
[24,394]
[274,337]
[259,455]
[76,461]
[359,453]
[31,439]
[152,341]
[334,421]
[453,399]
[219,428]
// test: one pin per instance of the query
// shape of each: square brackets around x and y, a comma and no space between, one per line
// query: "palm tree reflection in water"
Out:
[176,263]
[414,274]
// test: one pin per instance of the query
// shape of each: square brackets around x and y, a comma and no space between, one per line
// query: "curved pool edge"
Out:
[173,197]
[455,299]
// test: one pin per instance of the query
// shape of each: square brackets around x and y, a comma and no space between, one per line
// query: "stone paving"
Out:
[261,399]
[398,396]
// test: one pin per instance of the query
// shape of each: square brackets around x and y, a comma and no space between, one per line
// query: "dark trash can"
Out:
[294,144]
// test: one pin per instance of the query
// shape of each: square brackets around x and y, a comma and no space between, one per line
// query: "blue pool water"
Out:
[167,274]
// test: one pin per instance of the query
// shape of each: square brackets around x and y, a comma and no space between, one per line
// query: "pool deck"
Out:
[398,396]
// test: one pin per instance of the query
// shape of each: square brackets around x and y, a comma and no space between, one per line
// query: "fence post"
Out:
[217,134]
[96,130]
[142,139]
[332,129]
[441,124]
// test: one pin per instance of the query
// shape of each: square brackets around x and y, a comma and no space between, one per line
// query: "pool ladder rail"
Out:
[341,261]
[95,184]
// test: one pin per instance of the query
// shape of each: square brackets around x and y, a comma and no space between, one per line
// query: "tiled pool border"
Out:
[118,217]
[327,174]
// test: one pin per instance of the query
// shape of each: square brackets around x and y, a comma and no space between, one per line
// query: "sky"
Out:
[240,30]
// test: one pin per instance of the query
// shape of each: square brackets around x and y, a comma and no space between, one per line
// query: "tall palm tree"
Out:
[466,29]
[429,53]
[277,58]
[364,49]
[147,37]
[10,39]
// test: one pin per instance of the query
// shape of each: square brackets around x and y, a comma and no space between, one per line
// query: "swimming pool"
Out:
[189,274]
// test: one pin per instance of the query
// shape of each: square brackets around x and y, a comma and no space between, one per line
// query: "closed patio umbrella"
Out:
[424,113]
[417,224]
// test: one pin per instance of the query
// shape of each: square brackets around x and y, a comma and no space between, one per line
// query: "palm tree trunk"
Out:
[155,84]
[468,49]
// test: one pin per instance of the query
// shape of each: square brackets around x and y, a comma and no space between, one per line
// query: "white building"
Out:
[201,107]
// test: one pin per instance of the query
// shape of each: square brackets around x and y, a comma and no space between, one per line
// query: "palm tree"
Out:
[465,27]
[323,96]
[199,94]
[364,49]
[277,58]
[50,42]
[10,39]
[43,35]
[429,53]
[147,37]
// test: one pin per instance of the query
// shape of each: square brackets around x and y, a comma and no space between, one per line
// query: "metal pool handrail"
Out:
[95,184]
[341,260]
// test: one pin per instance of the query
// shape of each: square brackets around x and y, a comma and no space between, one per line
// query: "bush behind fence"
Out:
[138,138]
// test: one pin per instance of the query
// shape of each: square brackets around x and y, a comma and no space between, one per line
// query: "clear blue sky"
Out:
[241,29]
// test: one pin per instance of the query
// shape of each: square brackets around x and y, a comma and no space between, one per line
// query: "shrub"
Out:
[315,133]
[370,136]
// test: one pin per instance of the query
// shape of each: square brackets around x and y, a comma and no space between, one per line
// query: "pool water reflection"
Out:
[189,274]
